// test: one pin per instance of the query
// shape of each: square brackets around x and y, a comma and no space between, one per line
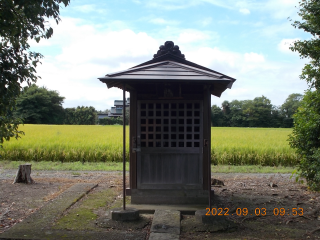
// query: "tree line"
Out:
[258,112]
[38,105]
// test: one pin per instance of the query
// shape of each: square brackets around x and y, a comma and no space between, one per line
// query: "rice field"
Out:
[252,146]
[96,143]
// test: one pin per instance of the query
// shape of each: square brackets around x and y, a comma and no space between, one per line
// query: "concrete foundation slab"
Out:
[169,196]
[187,209]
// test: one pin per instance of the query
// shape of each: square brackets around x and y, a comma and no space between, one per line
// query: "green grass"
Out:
[103,144]
[78,166]
[68,166]
[83,216]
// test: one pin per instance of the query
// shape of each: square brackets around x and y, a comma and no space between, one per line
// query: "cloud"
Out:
[87,52]
[192,35]
[281,9]
[253,57]
[244,11]
[161,21]
[256,75]
[284,45]
[206,21]
[220,3]
[171,4]
[87,8]
[275,30]
[277,9]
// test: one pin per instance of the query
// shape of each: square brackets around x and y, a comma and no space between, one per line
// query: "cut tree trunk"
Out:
[23,174]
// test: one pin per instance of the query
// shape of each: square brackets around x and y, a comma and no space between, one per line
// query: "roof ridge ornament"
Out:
[169,47]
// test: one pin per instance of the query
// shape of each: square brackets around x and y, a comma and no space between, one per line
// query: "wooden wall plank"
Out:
[206,135]
[133,133]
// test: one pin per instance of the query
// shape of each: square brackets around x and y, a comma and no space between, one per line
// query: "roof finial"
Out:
[169,47]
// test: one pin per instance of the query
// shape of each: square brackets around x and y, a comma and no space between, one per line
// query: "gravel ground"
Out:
[240,190]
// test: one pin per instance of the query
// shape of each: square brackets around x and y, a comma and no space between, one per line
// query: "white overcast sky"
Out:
[248,40]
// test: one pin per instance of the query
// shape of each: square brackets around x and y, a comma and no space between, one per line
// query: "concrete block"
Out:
[130,214]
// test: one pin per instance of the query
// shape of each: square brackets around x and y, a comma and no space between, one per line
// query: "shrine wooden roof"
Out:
[170,66]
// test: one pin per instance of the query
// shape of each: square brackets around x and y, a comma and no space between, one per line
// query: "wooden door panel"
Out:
[165,170]
[171,145]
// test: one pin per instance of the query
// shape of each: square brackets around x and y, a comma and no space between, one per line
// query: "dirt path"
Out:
[243,196]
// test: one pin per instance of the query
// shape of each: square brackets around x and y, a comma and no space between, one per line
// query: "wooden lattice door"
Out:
[170,140]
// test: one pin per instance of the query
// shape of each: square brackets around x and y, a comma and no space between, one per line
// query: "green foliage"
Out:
[20,21]
[9,127]
[309,11]
[289,107]
[258,112]
[110,121]
[217,118]
[80,116]
[38,105]
[305,138]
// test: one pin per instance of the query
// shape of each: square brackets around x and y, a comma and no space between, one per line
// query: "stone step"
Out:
[184,209]
[165,225]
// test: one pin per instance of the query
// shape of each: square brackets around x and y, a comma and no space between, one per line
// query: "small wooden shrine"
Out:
[170,127]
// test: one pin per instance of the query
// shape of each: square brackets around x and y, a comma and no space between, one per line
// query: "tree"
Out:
[276,117]
[238,117]
[80,116]
[305,138]
[289,107]
[104,111]
[258,112]
[226,113]
[20,21]
[38,105]
[306,131]
[216,116]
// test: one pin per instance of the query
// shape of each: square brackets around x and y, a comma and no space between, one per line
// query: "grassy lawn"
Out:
[114,166]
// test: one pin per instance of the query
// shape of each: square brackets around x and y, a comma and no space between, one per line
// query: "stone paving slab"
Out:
[163,236]
[42,219]
[166,223]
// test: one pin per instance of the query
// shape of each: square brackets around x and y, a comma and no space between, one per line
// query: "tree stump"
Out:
[23,174]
